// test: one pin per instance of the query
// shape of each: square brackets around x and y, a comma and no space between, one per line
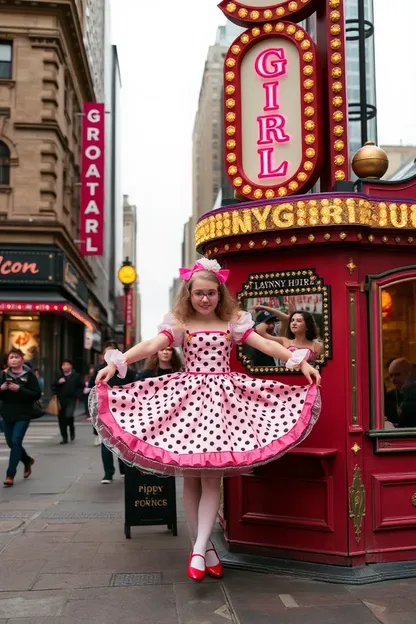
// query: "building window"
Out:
[5,59]
[4,164]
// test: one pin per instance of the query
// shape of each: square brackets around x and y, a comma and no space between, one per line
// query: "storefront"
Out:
[44,305]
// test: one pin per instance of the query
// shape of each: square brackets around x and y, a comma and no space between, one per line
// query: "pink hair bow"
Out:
[186,274]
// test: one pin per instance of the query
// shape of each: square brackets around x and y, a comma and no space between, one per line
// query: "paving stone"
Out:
[71,581]
[131,605]
[6,526]
[19,575]
[23,606]
[57,526]
[200,603]
[326,615]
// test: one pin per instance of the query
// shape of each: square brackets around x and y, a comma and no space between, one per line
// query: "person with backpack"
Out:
[19,390]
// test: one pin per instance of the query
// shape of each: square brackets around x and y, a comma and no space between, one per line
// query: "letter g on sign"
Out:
[94,116]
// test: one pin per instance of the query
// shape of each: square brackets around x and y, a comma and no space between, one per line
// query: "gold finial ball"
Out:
[370,161]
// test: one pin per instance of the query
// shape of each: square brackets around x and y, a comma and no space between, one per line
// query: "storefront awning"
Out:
[41,302]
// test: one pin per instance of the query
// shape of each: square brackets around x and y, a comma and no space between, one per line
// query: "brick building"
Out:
[53,301]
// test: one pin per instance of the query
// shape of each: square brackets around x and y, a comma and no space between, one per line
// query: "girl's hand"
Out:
[311,374]
[4,386]
[105,374]
[14,387]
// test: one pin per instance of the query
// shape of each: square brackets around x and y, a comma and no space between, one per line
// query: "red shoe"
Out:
[215,570]
[8,482]
[194,573]
[28,468]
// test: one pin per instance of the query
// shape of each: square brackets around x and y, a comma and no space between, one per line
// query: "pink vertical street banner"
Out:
[129,316]
[92,180]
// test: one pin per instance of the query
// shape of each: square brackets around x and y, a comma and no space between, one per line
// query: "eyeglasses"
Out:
[200,294]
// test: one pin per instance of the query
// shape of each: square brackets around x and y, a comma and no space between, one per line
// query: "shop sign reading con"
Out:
[271,119]
[92,180]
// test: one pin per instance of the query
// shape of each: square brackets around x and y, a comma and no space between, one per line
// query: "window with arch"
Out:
[4,164]
[392,325]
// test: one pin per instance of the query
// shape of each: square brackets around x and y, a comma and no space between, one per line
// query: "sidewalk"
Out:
[64,560]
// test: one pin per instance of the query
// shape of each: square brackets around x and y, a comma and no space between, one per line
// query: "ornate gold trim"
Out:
[357,503]
[414,500]
[356,449]
[353,358]
[305,281]
[351,266]
[288,215]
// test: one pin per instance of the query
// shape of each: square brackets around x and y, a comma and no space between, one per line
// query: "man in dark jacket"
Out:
[68,388]
[19,389]
[106,455]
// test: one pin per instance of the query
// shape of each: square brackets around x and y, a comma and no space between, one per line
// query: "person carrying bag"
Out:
[19,392]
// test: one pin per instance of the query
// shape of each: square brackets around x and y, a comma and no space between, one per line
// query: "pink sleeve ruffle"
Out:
[242,328]
[171,328]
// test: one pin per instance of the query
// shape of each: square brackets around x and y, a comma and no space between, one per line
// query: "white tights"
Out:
[201,496]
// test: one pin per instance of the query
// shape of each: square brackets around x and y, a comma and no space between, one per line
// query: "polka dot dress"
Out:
[207,418]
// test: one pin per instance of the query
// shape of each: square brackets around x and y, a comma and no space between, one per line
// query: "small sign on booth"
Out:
[149,500]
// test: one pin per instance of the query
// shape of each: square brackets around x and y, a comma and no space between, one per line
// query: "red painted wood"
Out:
[298,506]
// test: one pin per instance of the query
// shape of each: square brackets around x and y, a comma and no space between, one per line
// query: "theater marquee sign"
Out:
[303,213]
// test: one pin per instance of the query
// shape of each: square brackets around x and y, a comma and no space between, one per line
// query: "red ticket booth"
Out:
[346,496]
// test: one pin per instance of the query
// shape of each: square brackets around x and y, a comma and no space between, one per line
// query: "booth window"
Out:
[392,326]
[4,164]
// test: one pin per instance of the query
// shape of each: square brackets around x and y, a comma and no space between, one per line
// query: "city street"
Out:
[64,559]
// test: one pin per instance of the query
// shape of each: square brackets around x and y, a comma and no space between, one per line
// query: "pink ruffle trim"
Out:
[151,458]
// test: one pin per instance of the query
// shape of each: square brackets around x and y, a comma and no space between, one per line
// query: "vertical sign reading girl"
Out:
[92,180]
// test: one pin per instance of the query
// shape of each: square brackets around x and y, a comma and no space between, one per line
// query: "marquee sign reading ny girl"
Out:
[272,126]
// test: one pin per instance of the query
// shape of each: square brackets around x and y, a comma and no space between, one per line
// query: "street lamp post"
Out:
[127,276]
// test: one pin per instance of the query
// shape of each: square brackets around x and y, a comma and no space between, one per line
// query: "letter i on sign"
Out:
[271,63]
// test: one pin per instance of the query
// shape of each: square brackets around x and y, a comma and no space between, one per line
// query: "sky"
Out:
[162,48]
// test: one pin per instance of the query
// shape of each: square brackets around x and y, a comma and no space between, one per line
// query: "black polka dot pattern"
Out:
[207,409]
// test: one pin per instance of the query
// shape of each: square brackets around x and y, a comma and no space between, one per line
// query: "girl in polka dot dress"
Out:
[206,422]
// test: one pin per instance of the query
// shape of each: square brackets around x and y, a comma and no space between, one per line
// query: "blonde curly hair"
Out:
[226,310]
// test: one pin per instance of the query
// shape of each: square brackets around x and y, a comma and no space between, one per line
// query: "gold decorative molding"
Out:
[353,358]
[356,449]
[414,500]
[351,266]
[357,503]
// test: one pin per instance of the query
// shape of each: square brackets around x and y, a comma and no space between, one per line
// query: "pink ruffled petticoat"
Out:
[207,418]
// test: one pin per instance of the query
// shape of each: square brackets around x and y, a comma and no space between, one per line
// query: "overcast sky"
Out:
[162,47]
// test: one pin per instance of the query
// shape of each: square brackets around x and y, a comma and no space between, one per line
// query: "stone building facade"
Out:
[45,77]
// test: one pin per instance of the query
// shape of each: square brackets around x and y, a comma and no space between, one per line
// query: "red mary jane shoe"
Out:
[194,573]
[215,570]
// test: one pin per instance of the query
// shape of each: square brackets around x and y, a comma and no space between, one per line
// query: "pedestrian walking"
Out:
[19,389]
[68,388]
[207,421]
[107,456]
[164,362]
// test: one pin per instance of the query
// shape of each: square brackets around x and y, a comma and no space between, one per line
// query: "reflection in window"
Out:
[398,318]
[296,322]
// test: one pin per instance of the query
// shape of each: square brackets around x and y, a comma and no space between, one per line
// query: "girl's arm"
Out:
[140,351]
[277,351]
[277,313]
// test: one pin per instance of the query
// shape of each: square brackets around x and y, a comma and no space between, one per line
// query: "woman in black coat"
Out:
[19,389]
[162,363]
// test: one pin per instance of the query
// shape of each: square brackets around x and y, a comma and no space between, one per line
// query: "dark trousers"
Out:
[108,463]
[14,433]
[66,420]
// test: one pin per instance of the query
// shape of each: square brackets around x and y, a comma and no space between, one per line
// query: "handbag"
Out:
[54,406]
[37,410]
